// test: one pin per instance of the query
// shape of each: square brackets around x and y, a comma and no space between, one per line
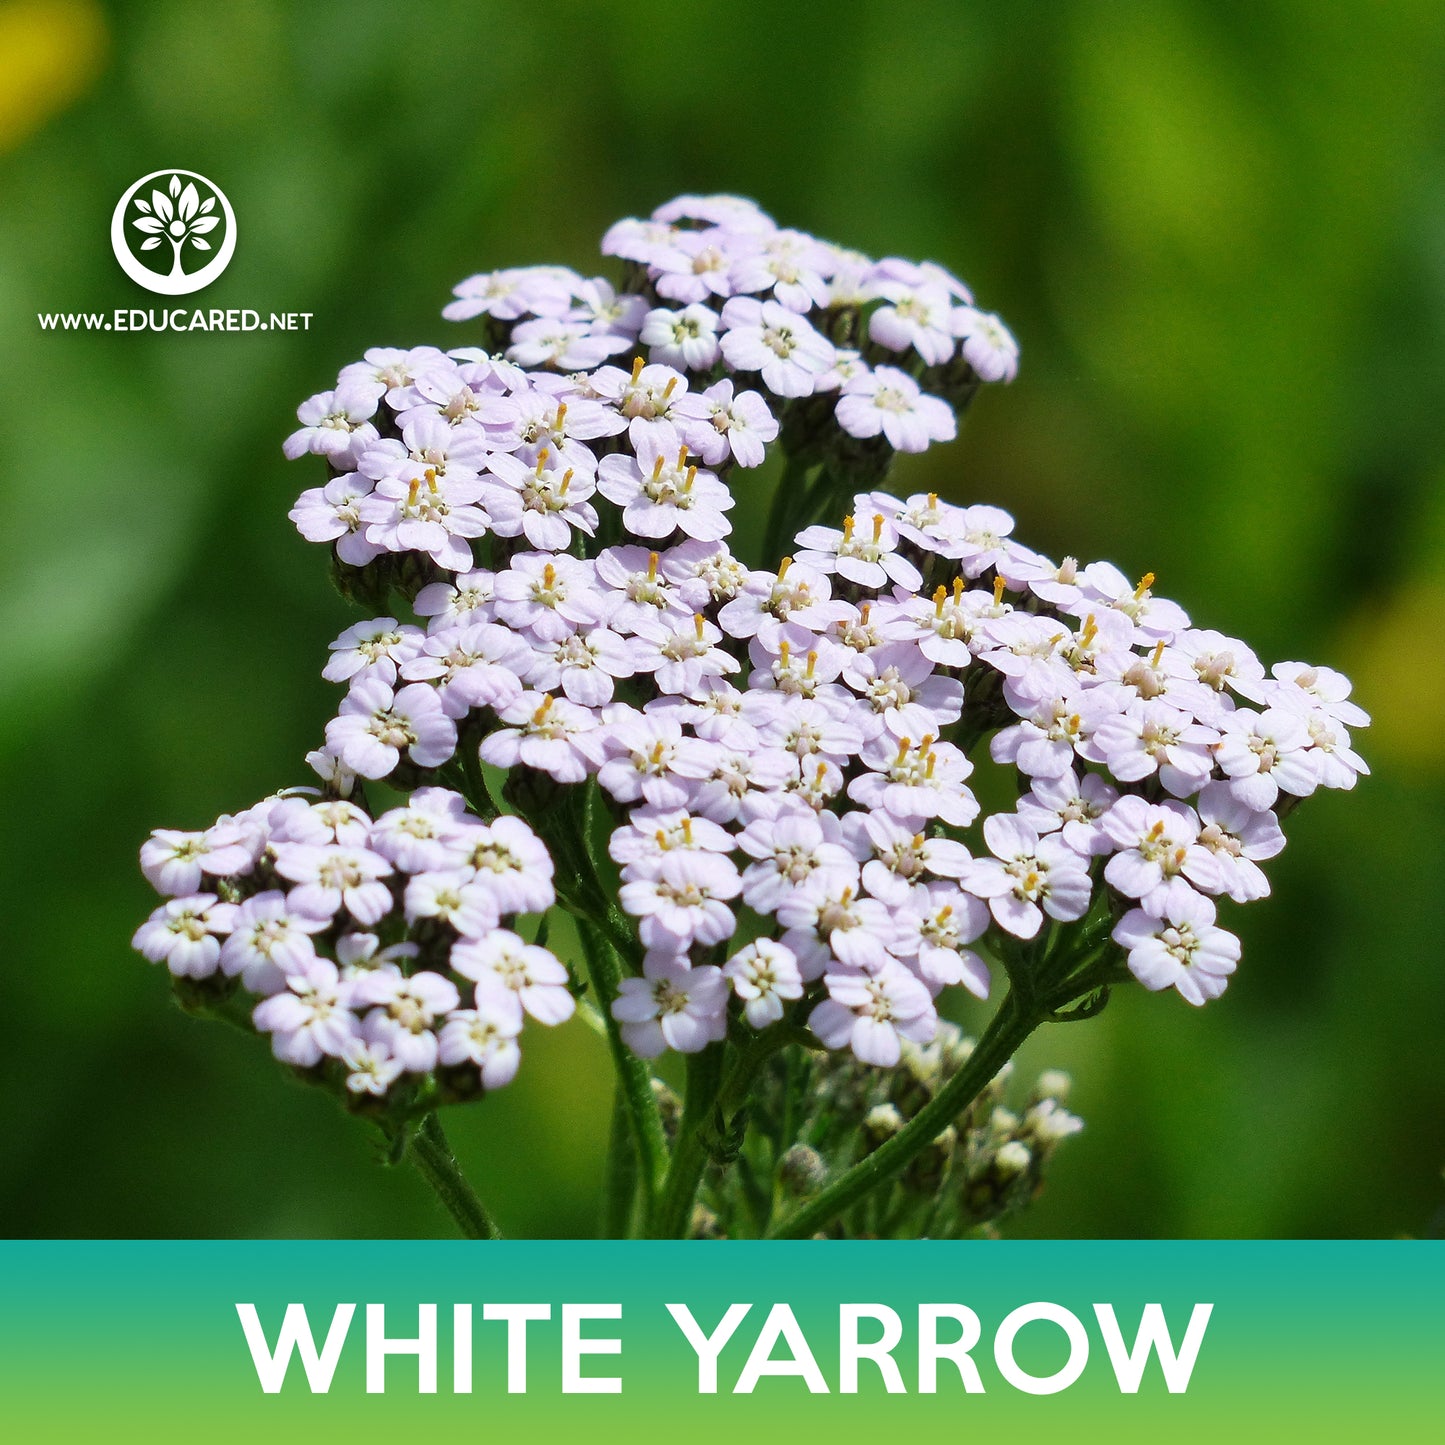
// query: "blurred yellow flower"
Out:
[1390,653]
[50,53]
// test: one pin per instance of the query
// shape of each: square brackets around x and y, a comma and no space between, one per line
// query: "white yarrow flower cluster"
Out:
[782,755]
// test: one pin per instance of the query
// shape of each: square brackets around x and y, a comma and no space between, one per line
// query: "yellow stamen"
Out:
[540,716]
[847,529]
[903,745]
[412,490]
[566,482]
[636,369]
[561,416]
[652,566]
[687,830]
[945,913]
[549,576]
[1145,583]
[657,469]
[697,617]
[688,480]
[783,567]
[957,590]
[542,462]
[933,501]
[940,596]
[877,525]
[812,663]
[998,585]
[669,388]
[657,751]
[1158,653]
[785,649]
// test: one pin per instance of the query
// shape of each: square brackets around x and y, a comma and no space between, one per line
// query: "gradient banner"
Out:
[144,1341]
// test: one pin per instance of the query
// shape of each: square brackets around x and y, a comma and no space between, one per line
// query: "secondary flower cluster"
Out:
[377,948]
[784,753]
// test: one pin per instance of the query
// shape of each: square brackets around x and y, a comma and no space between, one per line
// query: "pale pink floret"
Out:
[503,964]
[376,726]
[1028,877]
[486,1039]
[889,402]
[764,974]
[672,1007]
[873,1013]
[1183,950]
[185,934]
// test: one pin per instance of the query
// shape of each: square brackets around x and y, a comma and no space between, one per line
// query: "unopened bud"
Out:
[802,1170]
[883,1121]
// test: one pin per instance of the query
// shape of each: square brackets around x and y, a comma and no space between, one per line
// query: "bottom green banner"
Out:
[292,1341]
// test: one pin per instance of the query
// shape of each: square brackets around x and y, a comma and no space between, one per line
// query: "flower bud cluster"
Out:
[989,1162]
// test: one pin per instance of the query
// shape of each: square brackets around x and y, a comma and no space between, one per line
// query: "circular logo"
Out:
[173,232]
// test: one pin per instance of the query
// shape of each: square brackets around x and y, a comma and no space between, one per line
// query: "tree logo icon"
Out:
[173,232]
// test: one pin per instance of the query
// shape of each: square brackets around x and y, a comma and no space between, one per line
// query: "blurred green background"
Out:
[1218,229]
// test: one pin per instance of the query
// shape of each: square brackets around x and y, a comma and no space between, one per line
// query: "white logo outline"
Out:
[178,282]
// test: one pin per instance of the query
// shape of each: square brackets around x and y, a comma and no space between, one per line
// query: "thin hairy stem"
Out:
[634,1077]
[435,1162]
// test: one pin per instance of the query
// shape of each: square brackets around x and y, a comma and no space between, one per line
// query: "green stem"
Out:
[634,1077]
[1007,1030]
[435,1162]
[789,502]
[689,1158]
[620,1188]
